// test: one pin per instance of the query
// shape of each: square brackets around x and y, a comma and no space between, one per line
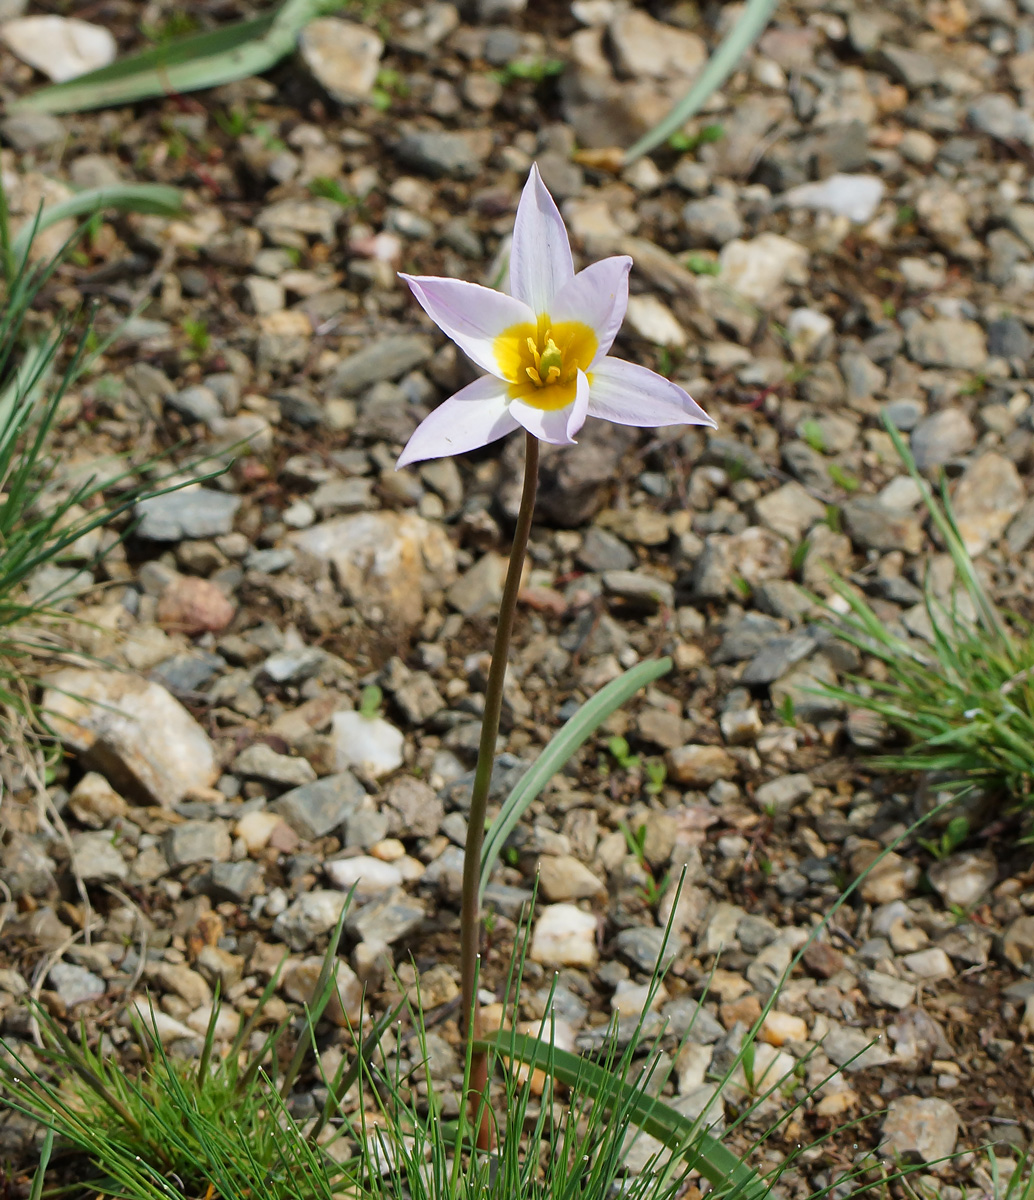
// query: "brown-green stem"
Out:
[470,912]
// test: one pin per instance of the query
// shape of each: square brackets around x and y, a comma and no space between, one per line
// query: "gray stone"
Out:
[317,809]
[439,152]
[777,657]
[32,130]
[387,358]
[854,1049]
[294,666]
[689,1019]
[195,842]
[185,673]
[603,551]
[964,879]
[911,67]
[26,868]
[234,881]
[383,561]
[371,744]
[309,917]
[803,688]
[906,413]
[873,526]
[386,920]
[712,221]
[95,858]
[887,990]
[1008,338]
[197,403]
[645,945]
[790,511]
[639,590]
[947,342]
[998,115]
[190,513]
[419,808]
[260,761]
[987,497]
[1020,533]
[1021,222]
[109,717]
[74,984]
[479,589]
[923,1127]
[942,436]
[782,794]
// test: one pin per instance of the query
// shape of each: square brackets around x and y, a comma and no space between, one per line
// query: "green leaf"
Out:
[756,15]
[702,1151]
[185,64]
[573,735]
[126,197]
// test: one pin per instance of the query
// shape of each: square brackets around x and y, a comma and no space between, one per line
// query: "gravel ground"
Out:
[858,239]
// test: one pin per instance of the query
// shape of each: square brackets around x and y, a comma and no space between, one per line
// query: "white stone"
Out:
[653,320]
[808,329]
[383,561]
[256,828]
[364,872]
[563,877]
[141,739]
[343,56]
[371,744]
[60,47]
[856,197]
[154,1020]
[564,937]
[758,268]
[779,1027]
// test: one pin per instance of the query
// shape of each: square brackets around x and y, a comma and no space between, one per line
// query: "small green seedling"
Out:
[197,335]
[656,776]
[330,189]
[702,264]
[843,479]
[787,712]
[370,701]
[684,143]
[534,70]
[953,836]
[622,753]
[811,432]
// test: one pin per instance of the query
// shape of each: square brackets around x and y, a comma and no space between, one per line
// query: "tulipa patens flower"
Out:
[545,346]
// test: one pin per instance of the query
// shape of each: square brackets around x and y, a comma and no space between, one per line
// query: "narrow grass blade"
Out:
[574,733]
[708,1156]
[721,64]
[126,197]
[185,64]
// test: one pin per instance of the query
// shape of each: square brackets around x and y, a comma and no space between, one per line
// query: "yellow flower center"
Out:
[541,361]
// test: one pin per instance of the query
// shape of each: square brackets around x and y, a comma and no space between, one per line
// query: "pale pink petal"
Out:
[631,395]
[472,315]
[476,415]
[560,424]
[540,257]
[598,297]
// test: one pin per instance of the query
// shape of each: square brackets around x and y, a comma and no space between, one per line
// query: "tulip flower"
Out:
[545,346]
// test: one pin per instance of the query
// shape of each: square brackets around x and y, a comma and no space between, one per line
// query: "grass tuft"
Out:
[962,697]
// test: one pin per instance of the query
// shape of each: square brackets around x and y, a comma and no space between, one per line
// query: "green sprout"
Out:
[811,432]
[843,478]
[684,143]
[702,264]
[953,836]
[370,700]
[197,334]
[534,70]
[330,189]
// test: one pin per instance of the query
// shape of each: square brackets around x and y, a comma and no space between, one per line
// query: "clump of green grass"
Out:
[46,514]
[964,700]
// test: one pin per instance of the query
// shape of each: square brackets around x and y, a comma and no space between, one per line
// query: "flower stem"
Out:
[470,912]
